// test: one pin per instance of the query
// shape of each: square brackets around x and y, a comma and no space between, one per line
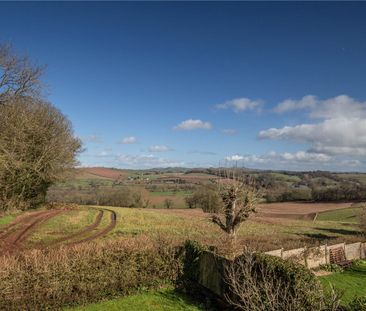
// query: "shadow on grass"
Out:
[340,231]
[174,295]
[319,236]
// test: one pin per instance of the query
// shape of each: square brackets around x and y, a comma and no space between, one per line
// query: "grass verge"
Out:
[352,282]
[162,300]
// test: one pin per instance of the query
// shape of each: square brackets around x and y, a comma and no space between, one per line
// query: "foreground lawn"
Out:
[352,282]
[164,300]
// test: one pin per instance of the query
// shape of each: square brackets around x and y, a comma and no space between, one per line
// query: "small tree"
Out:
[239,201]
[168,203]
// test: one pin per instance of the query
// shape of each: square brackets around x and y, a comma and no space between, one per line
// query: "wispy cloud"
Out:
[240,104]
[160,148]
[129,140]
[191,124]
[286,158]
[230,132]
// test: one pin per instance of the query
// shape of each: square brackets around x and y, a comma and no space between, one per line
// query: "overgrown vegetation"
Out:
[261,282]
[86,273]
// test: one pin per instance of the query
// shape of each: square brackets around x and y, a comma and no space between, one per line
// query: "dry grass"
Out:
[52,279]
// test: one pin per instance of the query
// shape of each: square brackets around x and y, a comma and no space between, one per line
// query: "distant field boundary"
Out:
[313,257]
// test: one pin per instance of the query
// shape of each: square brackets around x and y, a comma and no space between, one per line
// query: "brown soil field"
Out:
[297,210]
[103,172]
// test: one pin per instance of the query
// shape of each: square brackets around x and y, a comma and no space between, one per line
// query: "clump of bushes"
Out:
[331,267]
[357,304]
[54,278]
[262,282]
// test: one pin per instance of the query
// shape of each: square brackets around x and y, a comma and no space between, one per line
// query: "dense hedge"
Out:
[52,279]
[299,279]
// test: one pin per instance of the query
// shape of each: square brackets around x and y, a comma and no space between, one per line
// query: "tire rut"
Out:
[103,232]
[87,229]
[12,241]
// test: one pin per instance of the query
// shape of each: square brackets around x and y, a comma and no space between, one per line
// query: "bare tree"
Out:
[18,77]
[256,286]
[239,201]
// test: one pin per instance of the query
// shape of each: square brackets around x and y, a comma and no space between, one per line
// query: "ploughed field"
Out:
[276,225]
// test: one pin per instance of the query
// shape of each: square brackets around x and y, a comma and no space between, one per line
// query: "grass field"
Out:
[259,232]
[163,300]
[349,215]
[352,282]
[62,225]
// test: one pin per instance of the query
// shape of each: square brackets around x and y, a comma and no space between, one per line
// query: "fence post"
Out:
[360,250]
[281,252]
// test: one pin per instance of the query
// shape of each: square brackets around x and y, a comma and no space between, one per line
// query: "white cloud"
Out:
[129,140]
[286,160]
[341,106]
[230,132]
[160,148]
[306,102]
[191,124]
[234,157]
[341,132]
[334,136]
[240,104]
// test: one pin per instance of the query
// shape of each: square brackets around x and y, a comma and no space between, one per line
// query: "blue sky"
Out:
[155,84]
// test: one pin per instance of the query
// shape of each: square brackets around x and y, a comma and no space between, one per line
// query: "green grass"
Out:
[352,282]
[359,177]
[163,300]
[285,177]
[170,193]
[5,220]
[342,215]
[188,224]
[181,224]
[64,224]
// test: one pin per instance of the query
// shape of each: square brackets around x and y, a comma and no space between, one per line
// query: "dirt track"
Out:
[101,233]
[82,232]
[14,236]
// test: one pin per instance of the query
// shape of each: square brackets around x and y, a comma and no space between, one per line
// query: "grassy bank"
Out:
[162,300]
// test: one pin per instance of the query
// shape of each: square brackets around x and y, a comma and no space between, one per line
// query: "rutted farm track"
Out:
[13,237]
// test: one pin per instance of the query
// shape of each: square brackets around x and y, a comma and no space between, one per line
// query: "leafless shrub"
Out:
[258,285]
